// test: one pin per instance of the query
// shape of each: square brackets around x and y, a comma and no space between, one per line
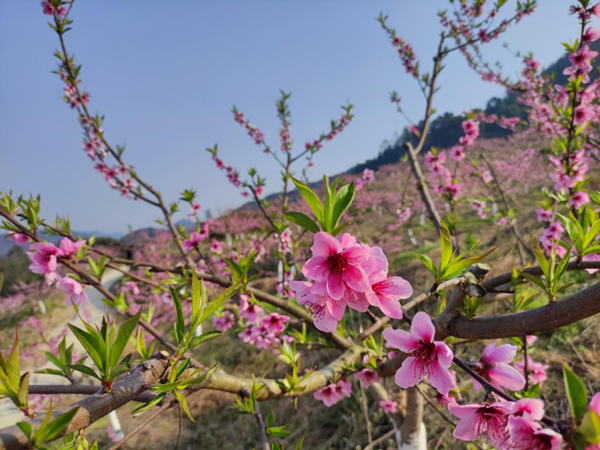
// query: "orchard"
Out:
[446,300]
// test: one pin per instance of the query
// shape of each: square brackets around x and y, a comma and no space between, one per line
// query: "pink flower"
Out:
[333,393]
[388,406]
[345,388]
[329,395]
[44,260]
[367,376]
[358,184]
[578,199]
[70,249]
[339,262]
[385,291]
[537,371]
[18,238]
[74,290]
[543,215]
[591,35]
[249,311]
[48,8]
[583,114]
[476,419]
[425,356]
[216,246]
[532,408]
[487,177]
[225,322]
[493,367]
[526,434]
[368,176]
[135,290]
[457,152]
[193,242]
[326,311]
[274,323]
[581,59]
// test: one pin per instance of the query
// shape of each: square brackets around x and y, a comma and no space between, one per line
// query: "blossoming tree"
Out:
[328,274]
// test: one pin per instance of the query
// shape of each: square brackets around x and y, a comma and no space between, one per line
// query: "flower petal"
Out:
[407,376]
[422,327]
[400,339]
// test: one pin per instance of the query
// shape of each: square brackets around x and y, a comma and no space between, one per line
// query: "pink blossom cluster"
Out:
[254,132]
[508,425]
[405,51]
[196,238]
[45,260]
[224,322]
[346,273]
[471,130]
[334,392]
[263,331]
[49,9]
[448,185]
[509,123]
[368,177]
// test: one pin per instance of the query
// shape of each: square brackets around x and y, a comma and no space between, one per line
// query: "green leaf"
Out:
[155,401]
[302,220]
[205,376]
[220,299]
[575,393]
[280,432]
[51,430]
[195,297]
[86,370]
[447,250]
[179,326]
[91,344]
[23,393]
[11,366]
[184,405]
[50,372]
[204,337]
[534,279]
[125,331]
[328,210]
[25,428]
[342,201]
[311,199]
[427,262]
[590,427]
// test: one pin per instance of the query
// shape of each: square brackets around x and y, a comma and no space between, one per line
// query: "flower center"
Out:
[336,262]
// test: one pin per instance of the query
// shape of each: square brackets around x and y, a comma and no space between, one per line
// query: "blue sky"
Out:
[166,75]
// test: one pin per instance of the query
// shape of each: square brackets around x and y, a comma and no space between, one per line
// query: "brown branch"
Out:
[574,308]
[79,389]
[262,429]
[144,424]
[95,406]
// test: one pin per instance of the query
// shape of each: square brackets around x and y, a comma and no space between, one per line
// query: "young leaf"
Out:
[343,199]
[179,326]
[204,337]
[220,299]
[575,394]
[311,199]
[125,332]
[302,220]
[86,370]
